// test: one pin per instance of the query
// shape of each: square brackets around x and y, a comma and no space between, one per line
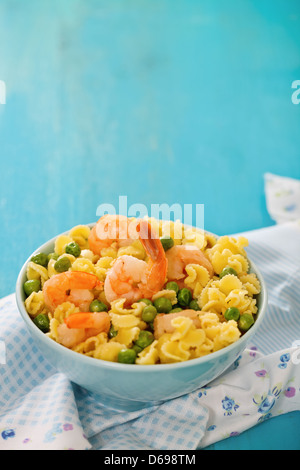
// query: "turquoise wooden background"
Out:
[164,101]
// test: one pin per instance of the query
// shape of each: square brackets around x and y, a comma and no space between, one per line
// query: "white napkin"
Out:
[282,197]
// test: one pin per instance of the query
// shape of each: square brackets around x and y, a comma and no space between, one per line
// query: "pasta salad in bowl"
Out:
[159,303]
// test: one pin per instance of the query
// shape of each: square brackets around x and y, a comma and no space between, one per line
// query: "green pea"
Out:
[33,285]
[163,305]
[42,322]
[227,271]
[146,301]
[172,286]
[97,306]
[184,297]
[73,249]
[145,339]
[40,258]
[175,310]
[167,242]
[232,313]
[62,264]
[53,256]
[137,349]
[245,322]
[194,305]
[112,332]
[149,313]
[127,356]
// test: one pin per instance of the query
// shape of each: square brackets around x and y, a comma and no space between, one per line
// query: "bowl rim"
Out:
[58,348]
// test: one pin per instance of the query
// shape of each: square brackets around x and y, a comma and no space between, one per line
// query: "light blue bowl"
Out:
[130,387]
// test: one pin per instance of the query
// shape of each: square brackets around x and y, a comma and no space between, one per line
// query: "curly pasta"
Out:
[35,304]
[102,266]
[108,351]
[117,306]
[36,271]
[136,249]
[127,336]
[89,346]
[84,265]
[168,294]
[180,345]
[149,355]
[172,229]
[250,283]
[197,278]
[60,244]
[64,310]
[80,235]
[194,237]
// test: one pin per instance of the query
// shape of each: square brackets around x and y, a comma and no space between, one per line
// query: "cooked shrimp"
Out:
[180,256]
[134,279]
[163,321]
[110,229]
[70,286]
[80,326]
[70,337]
[97,320]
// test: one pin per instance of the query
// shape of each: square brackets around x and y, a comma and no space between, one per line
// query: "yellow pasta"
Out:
[36,271]
[53,333]
[80,235]
[180,345]
[135,249]
[126,335]
[35,304]
[124,321]
[168,294]
[60,244]
[117,306]
[250,283]
[228,334]
[197,278]
[89,346]
[108,351]
[51,269]
[172,229]
[88,254]
[102,266]
[222,259]
[64,310]
[149,355]
[83,265]
[111,252]
[194,237]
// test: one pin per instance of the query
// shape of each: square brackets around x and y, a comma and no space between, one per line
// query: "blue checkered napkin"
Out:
[37,405]
[177,424]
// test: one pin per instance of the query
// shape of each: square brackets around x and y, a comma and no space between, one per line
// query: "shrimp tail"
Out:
[97,320]
[158,263]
